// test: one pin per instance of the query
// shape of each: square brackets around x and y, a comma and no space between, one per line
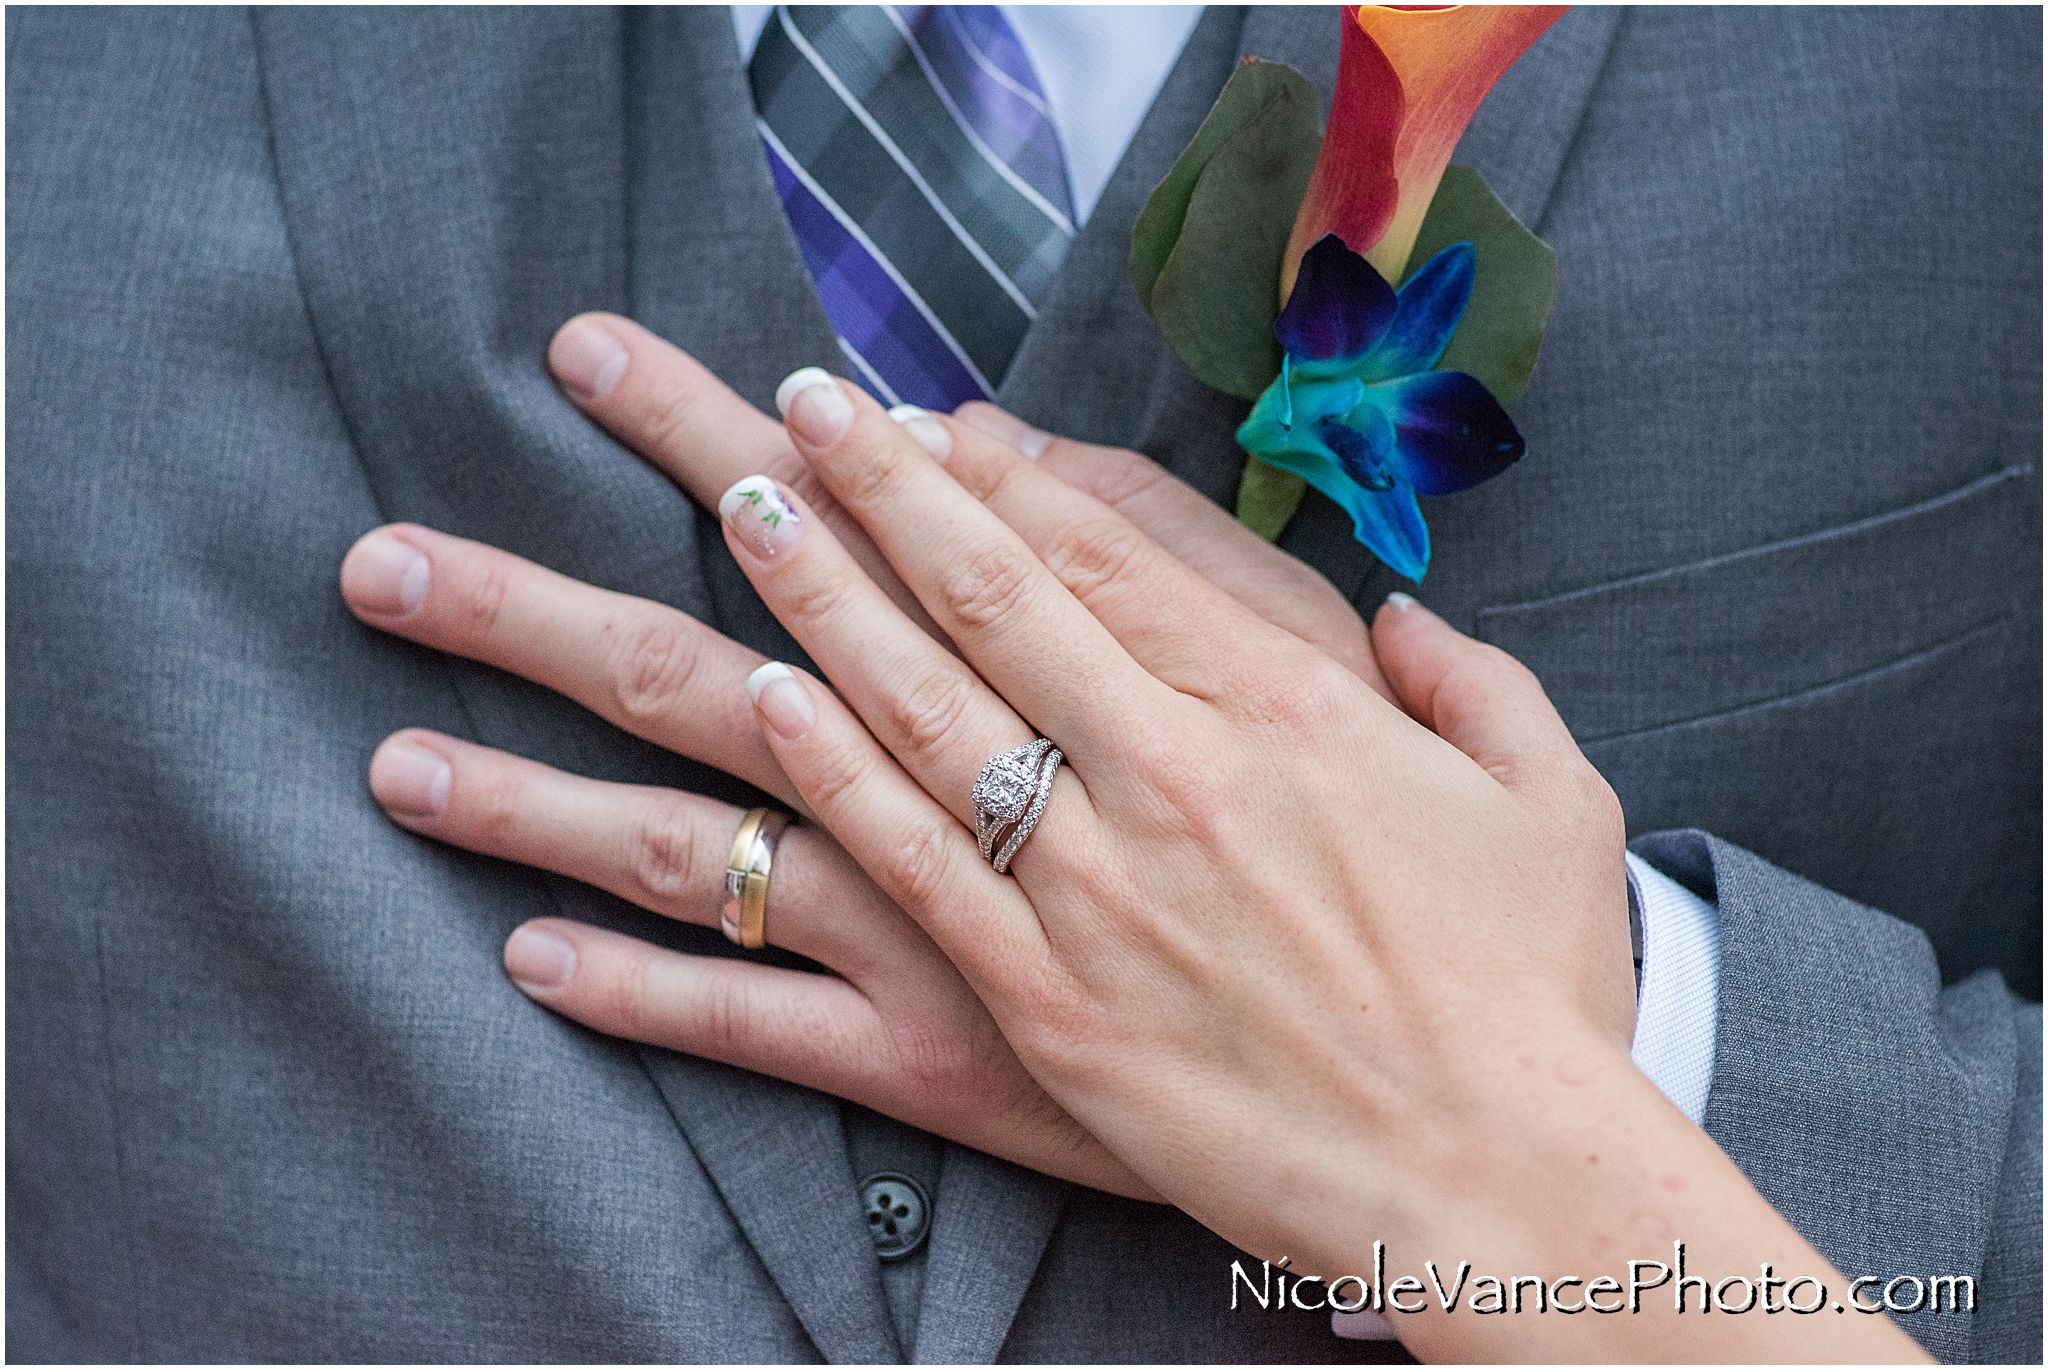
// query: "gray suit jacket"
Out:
[277,277]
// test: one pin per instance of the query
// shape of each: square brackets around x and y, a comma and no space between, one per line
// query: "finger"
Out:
[1176,624]
[909,1060]
[664,404]
[921,857]
[1473,695]
[1021,629]
[932,712]
[641,666]
[661,849]
[815,1030]
[1273,585]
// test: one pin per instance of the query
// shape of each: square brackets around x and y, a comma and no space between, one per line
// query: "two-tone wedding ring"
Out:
[1009,795]
[744,918]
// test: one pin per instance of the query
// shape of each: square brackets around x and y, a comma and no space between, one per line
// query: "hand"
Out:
[900,1031]
[1315,969]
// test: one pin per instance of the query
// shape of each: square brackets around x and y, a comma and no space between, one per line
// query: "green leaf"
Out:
[1267,497]
[1502,329]
[1206,252]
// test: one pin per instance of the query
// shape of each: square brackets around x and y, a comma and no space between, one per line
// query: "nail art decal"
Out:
[761,518]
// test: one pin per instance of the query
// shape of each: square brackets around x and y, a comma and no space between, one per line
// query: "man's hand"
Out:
[898,1030]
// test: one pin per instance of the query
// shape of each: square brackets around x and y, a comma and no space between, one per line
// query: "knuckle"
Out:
[924,715]
[839,779]
[1306,696]
[653,665]
[661,857]
[1093,554]
[862,472]
[1125,477]
[814,600]
[494,800]
[917,869]
[664,416]
[932,1060]
[1593,800]
[989,585]
[1177,769]
[483,600]
[798,477]
[725,1017]
[626,995]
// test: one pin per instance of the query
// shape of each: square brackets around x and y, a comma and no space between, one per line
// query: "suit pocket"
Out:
[1726,634]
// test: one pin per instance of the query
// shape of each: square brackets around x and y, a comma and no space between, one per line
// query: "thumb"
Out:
[1473,695]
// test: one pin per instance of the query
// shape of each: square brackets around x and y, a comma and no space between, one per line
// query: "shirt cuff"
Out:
[1674,1042]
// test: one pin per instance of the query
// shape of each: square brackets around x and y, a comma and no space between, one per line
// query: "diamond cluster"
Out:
[1005,788]
[1010,788]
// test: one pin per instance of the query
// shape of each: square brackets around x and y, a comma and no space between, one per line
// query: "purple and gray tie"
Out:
[924,179]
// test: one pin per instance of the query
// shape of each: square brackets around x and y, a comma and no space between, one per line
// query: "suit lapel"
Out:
[456,184]
[778,1157]
[991,1222]
[1522,133]
[1094,366]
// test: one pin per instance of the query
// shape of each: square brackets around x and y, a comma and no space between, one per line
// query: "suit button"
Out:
[899,1215]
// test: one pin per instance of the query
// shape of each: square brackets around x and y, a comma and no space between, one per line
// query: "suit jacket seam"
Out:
[1579,124]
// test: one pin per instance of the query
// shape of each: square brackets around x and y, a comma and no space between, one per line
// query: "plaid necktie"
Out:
[915,158]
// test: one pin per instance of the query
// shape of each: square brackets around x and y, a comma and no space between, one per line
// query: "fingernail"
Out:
[782,700]
[587,358]
[1407,604]
[539,959]
[761,518]
[385,575]
[1004,426]
[814,406]
[931,435]
[411,780]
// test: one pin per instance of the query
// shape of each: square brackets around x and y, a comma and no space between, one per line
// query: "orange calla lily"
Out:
[1408,81]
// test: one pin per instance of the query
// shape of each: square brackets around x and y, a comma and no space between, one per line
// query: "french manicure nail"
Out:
[1407,604]
[782,700]
[814,406]
[385,575]
[410,780]
[761,518]
[930,434]
[539,959]
[587,358]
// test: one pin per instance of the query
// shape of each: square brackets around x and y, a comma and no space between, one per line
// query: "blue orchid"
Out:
[1358,413]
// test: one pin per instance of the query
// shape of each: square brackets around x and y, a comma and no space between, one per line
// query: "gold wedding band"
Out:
[744,919]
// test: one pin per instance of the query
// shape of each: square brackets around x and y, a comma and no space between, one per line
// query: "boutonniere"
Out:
[1381,308]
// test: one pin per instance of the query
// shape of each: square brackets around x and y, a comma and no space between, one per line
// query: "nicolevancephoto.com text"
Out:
[1452,1287]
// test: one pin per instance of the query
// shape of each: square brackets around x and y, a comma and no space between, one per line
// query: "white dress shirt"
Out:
[1101,67]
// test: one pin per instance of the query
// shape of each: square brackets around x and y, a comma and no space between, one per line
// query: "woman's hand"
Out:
[1320,972]
[900,1031]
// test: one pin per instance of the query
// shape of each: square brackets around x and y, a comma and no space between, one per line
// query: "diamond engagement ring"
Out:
[1012,789]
